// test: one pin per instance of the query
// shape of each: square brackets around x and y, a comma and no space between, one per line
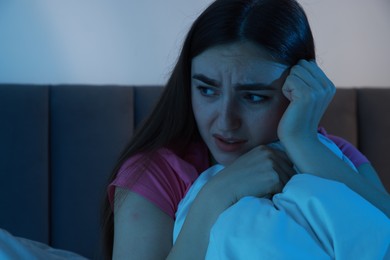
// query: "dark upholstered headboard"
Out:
[58,145]
[361,116]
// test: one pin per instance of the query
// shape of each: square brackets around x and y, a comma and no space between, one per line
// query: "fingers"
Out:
[260,172]
[316,72]
[312,76]
[284,167]
[281,164]
[302,74]
[309,87]
[310,93]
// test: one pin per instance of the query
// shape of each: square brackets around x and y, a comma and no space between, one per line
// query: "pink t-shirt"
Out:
[353,154]
[165,178]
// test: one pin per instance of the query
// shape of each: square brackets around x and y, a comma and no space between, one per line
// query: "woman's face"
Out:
[237,98]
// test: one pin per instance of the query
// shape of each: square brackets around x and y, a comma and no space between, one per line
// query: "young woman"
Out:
[246,76]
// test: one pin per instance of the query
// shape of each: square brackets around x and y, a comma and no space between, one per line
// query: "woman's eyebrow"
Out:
[206,80]
[239,87]
[254,87]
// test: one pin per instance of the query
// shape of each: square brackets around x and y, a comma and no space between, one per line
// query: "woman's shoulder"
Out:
[348,149]
[194,158]
[161,176]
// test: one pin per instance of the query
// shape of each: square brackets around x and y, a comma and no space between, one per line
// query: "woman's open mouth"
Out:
[228,144]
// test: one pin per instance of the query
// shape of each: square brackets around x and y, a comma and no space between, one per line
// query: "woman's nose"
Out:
[229,116]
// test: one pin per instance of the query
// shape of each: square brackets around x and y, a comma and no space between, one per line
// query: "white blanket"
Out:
[313,218]
[12,248]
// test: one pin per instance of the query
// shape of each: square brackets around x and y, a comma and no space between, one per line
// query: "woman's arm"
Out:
[363,165]
[141,229]
[193,239]
[310,92]
[368,172]
[260,172]
[311,156]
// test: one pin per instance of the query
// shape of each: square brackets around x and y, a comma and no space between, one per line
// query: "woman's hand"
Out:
[261,172]
[310,92]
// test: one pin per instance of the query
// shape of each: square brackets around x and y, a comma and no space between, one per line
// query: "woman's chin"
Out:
[225,160]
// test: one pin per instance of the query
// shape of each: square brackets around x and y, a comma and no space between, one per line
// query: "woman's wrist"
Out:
[299,139]
[215,194]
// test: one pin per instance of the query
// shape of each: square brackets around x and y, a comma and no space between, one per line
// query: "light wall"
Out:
[133,42]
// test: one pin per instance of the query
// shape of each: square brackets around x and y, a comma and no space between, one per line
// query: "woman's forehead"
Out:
[241,62]
[244,52]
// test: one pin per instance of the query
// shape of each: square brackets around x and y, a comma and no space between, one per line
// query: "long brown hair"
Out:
[279,26]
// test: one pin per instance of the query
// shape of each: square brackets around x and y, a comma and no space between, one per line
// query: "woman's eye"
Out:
[254,98]
[206,91]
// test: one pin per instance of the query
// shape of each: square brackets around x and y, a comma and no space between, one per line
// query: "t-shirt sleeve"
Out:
[353,154]
[153,178]
[350,151]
